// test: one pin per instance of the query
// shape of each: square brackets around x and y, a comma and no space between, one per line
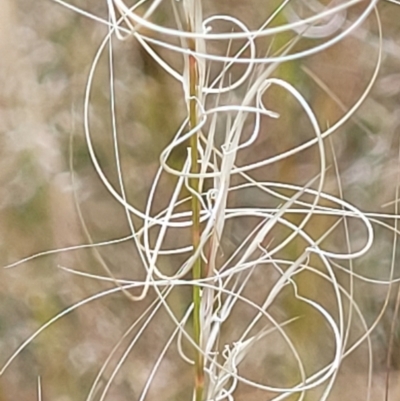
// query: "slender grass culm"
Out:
[252,263]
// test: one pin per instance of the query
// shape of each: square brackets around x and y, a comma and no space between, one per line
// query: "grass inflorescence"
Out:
[247,203]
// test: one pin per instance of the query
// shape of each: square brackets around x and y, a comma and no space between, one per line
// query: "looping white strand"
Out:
[231,113]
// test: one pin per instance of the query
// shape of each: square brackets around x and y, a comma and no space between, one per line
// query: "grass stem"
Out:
[196,229]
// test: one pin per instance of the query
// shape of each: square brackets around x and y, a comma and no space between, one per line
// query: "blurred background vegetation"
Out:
[46,55]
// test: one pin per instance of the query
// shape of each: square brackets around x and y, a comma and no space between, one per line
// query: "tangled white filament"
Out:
[225,283]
